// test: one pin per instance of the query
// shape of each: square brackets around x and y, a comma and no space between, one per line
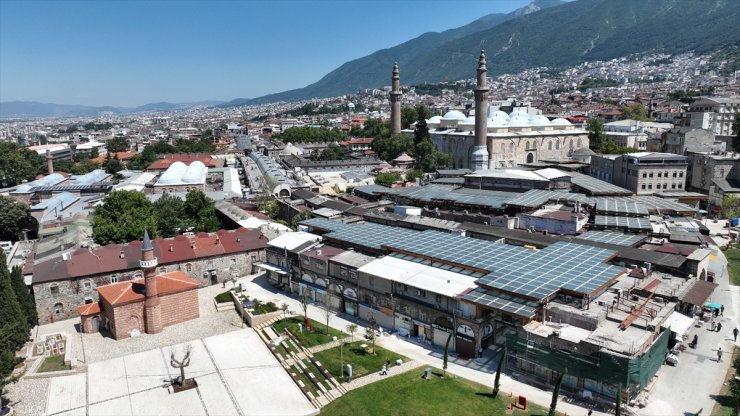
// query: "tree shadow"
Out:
[723,400]
[489,395]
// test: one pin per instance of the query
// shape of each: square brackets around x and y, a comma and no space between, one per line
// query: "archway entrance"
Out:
[530,157]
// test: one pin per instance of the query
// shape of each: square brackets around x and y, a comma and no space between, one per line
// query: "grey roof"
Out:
[352,259]
[595,186]
[146,245]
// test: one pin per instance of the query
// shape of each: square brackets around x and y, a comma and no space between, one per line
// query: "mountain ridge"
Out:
[533,37]
[35,109]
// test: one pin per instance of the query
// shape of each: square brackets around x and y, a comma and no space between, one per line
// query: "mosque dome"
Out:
[469,121]
[434,120]
[560,122]
[454,115]
[519,119]
[499,113]
[498,122]
[195,173]
[173,174]
[539,121]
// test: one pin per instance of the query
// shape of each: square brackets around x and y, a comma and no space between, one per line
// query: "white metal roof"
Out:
[292,240]
[420,276]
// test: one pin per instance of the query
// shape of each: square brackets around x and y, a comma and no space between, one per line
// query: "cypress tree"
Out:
[496,383]
[447,352]
[13,323]
[24,297]
[556,393]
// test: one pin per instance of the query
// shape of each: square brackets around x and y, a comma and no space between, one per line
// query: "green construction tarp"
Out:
[602,366]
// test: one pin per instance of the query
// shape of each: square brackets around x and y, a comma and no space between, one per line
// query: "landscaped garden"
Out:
[53,363]
[733,265]
[317,336]
[362,361]
[409,394]
[223,297]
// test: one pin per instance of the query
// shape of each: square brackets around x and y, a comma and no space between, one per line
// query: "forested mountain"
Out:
[553,33]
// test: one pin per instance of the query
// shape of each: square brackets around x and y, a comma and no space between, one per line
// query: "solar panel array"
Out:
[627,240]
[462,196]
[537,197]
[595,186]
[656,204]
[535,274]
[502,302]
[633,223]
[574,267]
[621,206]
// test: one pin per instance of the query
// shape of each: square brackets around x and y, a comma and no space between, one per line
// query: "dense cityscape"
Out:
[560,240]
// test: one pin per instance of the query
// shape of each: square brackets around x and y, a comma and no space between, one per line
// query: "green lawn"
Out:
[362,362]
[733,265]
[317,336]
[53,363]
[409,394]
[223,297]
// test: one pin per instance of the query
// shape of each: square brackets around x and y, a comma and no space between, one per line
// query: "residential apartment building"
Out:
[649,173]
[633,133]
[704,168]
[713,113]
[688,139]
[602,167]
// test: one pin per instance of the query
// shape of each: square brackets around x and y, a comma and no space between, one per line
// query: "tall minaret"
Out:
[395,97]
[152,307]
[480,150]
[49,161]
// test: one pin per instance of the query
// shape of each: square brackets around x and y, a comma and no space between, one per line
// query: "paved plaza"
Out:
[236,375]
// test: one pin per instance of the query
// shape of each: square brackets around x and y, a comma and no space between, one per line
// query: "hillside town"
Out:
[564,235]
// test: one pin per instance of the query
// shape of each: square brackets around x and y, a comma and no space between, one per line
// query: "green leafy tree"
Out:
[310,135]
[730,206]
[415,174]
[422,130]
[375,127]
[112,165]
[735,393]
[207,134]
[389,148]
[499,368]
[13,216]
[301,216]
[23,294]
[18,164]
[84,167]
[63,165]
[408,116]
[556,393]
[117,144]
[201,212]
[447,354]
[387,178]
[634,111]
[332,152]
[595,129]
[123,217]
[169,211]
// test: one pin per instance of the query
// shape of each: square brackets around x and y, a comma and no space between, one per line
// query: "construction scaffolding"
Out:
[599,373]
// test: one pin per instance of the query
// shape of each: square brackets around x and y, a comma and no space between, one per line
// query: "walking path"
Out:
[373,377]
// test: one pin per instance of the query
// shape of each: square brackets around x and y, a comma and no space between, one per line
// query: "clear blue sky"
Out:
[127,53]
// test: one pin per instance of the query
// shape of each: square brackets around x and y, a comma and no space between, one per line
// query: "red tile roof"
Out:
[107,259]
[121,156]
[89,309]
[186,158]
[130,291]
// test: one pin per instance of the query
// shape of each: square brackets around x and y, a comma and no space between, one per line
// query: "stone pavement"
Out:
[376,376]
[694,383]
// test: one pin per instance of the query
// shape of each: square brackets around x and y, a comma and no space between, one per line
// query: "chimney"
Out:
[218,240]
[172,247]
[49,161]
[121,254]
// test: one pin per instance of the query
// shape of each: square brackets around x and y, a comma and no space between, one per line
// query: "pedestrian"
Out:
[734,333]
[719,355]
[722,310]
[480,352]
[719,326]
[590,411]
[384,370]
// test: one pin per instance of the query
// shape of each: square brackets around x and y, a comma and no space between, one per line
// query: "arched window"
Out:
[511,147]
[557,144]
[162,270]
[54,288]
[58,308]
[503,148]
[580,143]
[530,158]
[549,145]
[188,267]
[571,144]
[528,145]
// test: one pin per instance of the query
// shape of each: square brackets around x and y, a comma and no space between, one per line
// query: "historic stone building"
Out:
[145,305]
[63,283]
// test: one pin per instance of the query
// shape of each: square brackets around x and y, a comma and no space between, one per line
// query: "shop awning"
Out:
[678,322]
[270,267]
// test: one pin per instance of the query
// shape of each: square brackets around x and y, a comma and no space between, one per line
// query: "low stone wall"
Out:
[252,320]
[224,306]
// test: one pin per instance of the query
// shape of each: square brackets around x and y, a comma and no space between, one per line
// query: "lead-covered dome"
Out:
[454,115]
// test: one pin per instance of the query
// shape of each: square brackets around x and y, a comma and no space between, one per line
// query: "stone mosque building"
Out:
[509,139]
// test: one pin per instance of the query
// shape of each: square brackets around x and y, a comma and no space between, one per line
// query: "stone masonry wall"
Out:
[179,307]
[126,318]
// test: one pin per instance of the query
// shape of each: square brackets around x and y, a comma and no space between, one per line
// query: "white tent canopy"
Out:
[679,323]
